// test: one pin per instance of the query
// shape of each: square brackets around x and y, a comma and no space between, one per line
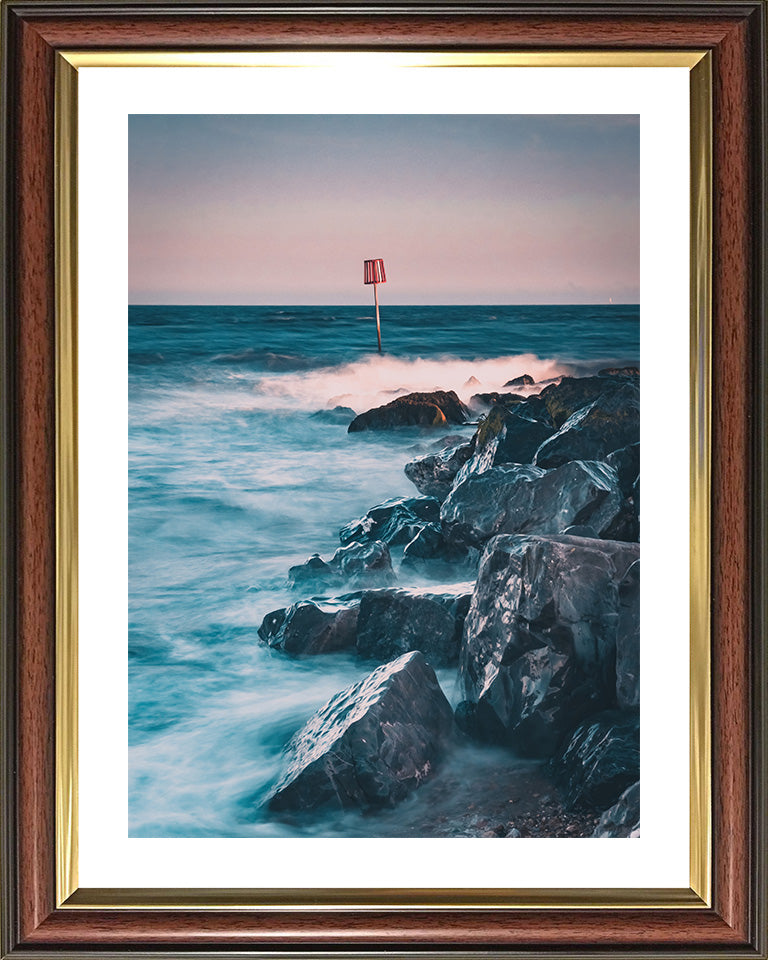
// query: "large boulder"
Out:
[521,498]
[569,394]
[628,640]
[434,409]
[312,626]
[539,647]
[606,424]
[525,380]
[507,435]
[356,565]
[371,744]
[482,402]
[394,522]
[336,415]
[626,463]
[433,475]
[623,818]
[392,622]
[599,762]
[433,555]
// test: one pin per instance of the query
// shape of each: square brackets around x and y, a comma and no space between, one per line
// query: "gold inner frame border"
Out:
[68,893]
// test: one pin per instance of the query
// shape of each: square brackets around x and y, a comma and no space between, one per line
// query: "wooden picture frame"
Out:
[35,923]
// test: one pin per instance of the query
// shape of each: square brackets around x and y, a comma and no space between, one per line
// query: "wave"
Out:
[374,380]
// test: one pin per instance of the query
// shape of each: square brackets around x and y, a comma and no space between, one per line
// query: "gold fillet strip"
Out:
[373,899]
[65,227]
[700,479]
[68,894]
[358,60]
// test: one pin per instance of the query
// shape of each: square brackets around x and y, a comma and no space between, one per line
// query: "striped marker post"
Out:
[373,272]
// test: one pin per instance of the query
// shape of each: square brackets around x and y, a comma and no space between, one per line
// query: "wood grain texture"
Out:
[35,521]
[725,927]
[732,396]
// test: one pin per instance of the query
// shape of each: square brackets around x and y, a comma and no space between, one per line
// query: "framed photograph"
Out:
[323,410]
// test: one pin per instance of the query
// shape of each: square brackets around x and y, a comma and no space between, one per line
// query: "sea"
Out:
[237,472]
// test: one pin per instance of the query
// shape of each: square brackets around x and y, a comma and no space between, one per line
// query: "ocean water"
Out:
[232,481]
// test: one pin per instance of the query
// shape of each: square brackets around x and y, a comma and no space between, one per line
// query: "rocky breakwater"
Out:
[541,504]
[371,744]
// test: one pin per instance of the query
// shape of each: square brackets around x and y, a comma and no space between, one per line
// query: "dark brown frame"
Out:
[735,32]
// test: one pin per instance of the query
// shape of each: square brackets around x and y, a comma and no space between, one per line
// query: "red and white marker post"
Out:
[373,272]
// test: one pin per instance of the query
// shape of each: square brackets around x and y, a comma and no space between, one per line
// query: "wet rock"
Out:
[569,394]
[606,424]
[371,744]
[525,380]
[394,522]
[626,463]
[628,373]
[392,622]
[434,409]
[599,761]
[356,564]
[434,556]
[340,415]
[623,818]
[480,402]
[517,498]
[312,627]
[581,530]
[434,475]
[628,640]
[539,645]
[507,435]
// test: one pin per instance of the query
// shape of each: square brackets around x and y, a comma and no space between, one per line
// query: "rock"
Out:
[434,409]
[599,762]
[539,646]
[371,744]
[524,381]
[394,522]
[341,415]
[507,435]
[624,372]
[356,564]
[628,640]
[569,394]
[485,401]
[472,382]
[431,553]
[623,818]
[626,463]
[392,622]
[434,475]
[606,424]
[312,626]
[517,498]
[581,530]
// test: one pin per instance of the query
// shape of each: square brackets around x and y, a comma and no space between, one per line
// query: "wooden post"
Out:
[376,301]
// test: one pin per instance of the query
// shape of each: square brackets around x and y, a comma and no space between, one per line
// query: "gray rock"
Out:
[606,424]
[539,647]
[339,414]
[524,381]
[569,394]
[628,640]
[393,522]
[623,818]
[392,622]
[518,498]
[434,475]
[626,463]
[312,626]
[507,435]
[435,409]
[371,744]
[599,762]
[357,565]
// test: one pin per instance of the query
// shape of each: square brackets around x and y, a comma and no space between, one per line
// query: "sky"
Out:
[283,209]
